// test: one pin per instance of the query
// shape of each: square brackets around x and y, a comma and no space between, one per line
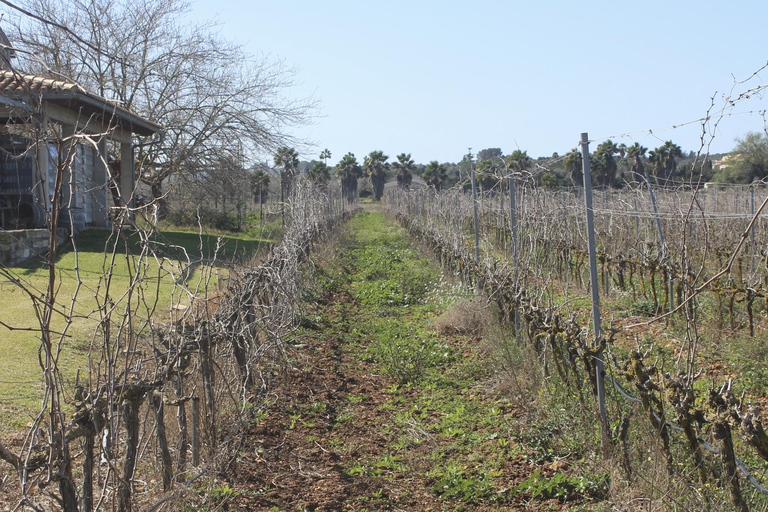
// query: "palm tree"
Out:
[325,155]
[435,175]
[259,188]
[572,164]
[287,160]
[605,165]
[658,158]
[519,160]
[636,152]
[673,152]
[348,170]
[404,168]
[319,174]
[488,173]
[375,164]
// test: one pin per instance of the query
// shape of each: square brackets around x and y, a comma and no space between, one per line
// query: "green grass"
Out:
[174,244]
[102,262]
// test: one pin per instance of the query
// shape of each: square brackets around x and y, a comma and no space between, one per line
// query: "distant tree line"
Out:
[613,166]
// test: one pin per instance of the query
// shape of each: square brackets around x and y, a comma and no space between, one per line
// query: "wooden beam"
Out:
[85,124]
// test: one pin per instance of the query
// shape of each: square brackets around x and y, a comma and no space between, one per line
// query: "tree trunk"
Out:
[66,482]
[378,186]
[156,402]
[181,418]
[125,487]
[88,449]
[207,371]
[723,434]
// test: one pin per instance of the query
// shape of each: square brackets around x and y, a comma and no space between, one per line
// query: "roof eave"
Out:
[127,119]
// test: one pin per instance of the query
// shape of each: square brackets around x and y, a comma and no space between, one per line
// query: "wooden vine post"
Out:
[594,285]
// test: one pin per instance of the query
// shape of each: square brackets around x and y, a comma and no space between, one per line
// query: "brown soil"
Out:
[305,463]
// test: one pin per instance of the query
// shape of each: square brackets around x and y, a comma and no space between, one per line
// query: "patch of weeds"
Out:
[563,487]
[253,412]
[404,353]
[392,463]
[387,406]
[344,417]
[453,422]
[643,307]
[408,441]
[316,408]
[393,389]
[359,469]
[541,439]
[563,431]
[293,420]
[750,359]
[222,493]
[377,498]
[356,399]
[391,274]
[453,482]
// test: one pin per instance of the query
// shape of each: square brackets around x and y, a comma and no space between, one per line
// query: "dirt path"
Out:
[344,430]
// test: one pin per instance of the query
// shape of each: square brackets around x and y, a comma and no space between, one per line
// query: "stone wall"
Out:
[22,244]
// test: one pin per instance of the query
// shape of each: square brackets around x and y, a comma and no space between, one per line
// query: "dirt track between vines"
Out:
[330,414]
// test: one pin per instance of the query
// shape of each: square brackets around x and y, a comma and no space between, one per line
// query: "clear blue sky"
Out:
[433,78]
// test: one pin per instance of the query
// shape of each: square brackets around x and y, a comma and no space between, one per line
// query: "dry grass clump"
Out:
[467,317]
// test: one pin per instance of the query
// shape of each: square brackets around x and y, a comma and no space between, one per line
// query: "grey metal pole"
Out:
[637,218]
[513,221]
[664,252]
[513,229]
[752,234]
[474,202]
[594,285]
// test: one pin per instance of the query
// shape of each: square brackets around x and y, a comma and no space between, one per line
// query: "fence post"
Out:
[513,229]
[595,287]
[474,203]
[664,253]
[752,211]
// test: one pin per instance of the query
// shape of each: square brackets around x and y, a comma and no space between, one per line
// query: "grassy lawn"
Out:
[101,262]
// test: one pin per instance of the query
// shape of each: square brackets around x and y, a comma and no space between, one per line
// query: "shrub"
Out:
[467,317]
[208,217]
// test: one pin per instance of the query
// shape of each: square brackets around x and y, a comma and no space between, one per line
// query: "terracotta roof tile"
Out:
[16,83]
[72,96]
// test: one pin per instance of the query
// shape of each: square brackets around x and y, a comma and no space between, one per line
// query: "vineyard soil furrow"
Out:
[389,404]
